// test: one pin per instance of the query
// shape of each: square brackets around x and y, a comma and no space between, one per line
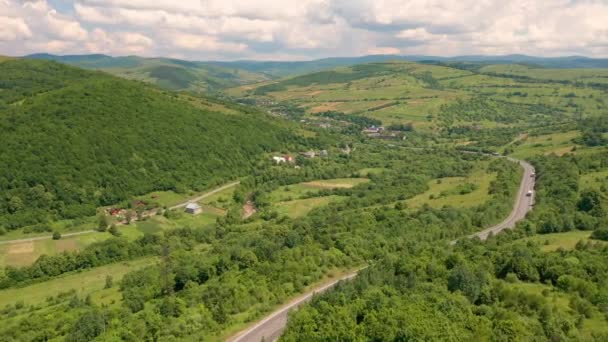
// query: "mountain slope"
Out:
[73,140]
[172,74]
[281,69]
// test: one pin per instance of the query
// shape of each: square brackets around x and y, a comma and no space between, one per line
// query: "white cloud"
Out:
[12,29]
[205,43]
[278,29]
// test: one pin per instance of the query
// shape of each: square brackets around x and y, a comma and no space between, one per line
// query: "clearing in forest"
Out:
[460,192]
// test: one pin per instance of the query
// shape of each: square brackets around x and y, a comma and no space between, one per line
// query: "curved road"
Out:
[271,327]
[523,203]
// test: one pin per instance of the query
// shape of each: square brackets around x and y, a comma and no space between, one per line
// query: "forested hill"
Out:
[72,140]
[172,74]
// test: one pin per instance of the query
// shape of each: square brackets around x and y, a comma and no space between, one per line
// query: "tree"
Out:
[600,234]
[590,201]
[469,282]
[102,223]
[87,327]
[56,235]
[114,230]
[129,216]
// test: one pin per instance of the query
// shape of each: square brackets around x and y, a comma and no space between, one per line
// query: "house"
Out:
[115,211]
[373,130]
[193,208]
[279,160]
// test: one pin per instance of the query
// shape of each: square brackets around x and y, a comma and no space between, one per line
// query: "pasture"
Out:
[461,192]
[557,143]
[593,180]
[312,188]
[25,253]
[301,207]
[566,240]
[84,283]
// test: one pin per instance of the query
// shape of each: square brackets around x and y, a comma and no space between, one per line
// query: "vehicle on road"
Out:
[529,194]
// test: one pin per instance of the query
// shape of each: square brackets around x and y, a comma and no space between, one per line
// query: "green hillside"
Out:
[435,98]
[73,140]
[172,74]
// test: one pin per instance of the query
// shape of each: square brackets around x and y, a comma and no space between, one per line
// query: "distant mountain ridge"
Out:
[278,69]
[172,74]
[178,74]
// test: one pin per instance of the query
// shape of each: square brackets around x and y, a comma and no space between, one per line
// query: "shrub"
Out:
[600,234]
[56,235]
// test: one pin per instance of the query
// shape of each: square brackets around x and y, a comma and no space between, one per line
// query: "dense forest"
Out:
[74,140]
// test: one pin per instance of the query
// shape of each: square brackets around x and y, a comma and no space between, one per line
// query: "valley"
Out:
[460,201]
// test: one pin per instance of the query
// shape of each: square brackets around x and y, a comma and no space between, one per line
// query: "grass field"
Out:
[447,191]
[85,282]
[301,207]
[593,180]
[296,191]
[558,143]
[220,199]
[567,240]
[25,253]
[165,198]
[62,226]
[561,300]
[371,171]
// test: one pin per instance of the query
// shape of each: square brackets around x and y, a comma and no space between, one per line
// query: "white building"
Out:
[279,160]
[193,208]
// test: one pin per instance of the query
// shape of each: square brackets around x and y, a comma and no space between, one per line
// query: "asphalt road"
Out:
[271,327]
[149,213]
[523,203]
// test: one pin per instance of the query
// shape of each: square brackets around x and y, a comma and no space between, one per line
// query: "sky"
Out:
[303,29]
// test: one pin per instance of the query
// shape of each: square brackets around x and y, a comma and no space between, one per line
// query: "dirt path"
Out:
[148,213]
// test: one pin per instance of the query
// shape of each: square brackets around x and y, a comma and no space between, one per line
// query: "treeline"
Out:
[562,205]
[357,120]
[98,254]
[593,131]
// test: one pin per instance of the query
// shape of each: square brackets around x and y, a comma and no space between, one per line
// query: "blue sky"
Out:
[303,29]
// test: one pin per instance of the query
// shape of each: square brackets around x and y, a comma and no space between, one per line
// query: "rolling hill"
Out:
[172,74]
[282,69]
[201,76]
[73,140]
[433,96]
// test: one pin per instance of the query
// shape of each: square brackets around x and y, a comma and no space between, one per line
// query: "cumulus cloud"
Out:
[273,29]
